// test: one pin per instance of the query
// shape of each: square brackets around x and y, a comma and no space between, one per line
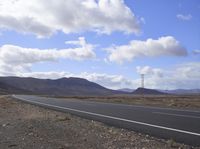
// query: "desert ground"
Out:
[172,101]
[25,126]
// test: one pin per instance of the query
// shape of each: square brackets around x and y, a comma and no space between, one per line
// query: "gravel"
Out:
[25,126]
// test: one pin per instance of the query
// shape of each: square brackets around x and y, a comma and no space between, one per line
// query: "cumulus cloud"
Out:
[18,59]
[147,70]
[188,70]
[182,76]
[25,25]
[110,81]
[163,46]
[43,18]
[183,17]
[196,52]
[47,75]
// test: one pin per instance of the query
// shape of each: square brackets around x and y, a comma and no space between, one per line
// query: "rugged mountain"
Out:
[63,86]
[146,91]
[8,89]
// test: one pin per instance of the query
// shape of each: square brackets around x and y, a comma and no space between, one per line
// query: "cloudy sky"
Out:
[110,42]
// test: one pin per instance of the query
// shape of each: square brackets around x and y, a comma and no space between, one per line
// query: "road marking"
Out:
[149,107]
[180,115]
[110,117]
[137,106]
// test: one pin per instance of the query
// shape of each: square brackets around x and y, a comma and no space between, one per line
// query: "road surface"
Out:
[177,124]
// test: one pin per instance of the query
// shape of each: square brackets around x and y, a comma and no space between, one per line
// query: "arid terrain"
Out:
[173,101]
[25,126]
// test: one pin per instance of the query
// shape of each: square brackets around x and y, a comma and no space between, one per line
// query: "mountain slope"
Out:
[63,86]
[183,91]
[146,91]
[8,89]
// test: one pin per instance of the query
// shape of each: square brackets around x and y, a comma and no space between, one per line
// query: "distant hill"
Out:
[182,91]
[128,90]
[146,91]
[72,87]
[63,86]
[8,89]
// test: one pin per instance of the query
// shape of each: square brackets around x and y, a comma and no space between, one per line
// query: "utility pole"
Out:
[142,85]
[142,80]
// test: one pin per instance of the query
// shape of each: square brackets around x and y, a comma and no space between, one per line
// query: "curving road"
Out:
[177,124]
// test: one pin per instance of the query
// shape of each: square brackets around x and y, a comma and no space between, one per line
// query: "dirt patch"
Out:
[25,126]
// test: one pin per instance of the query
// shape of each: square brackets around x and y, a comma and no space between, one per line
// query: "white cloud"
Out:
[47,75]
[147,70]
[164,46]
[182,76]
[25,25]
[188,70]
[142,20]
[110,81]
[18,59]
[196,52]
[184,17]
[43,18]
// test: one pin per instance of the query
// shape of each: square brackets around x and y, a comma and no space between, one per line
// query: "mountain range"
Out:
[63,86]
[182,91]
[175,91]
[73,87]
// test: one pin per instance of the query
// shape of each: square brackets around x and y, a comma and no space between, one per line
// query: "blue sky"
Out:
[110,42]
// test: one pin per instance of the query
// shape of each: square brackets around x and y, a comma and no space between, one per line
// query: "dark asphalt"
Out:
[177,124]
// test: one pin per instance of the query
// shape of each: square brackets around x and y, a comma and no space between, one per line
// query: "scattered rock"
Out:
[4,125]
[30,129]
[12,145]
[65,118]
[30,134]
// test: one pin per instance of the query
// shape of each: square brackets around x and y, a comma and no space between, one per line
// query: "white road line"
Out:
[140,106]
[110,117]
[182,110]
[180,115]
[137,106]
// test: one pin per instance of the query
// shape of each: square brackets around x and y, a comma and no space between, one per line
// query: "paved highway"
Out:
[177,124]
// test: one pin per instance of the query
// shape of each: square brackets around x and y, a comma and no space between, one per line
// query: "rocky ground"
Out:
[24,126]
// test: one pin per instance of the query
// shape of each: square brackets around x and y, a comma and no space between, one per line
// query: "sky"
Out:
[110,42]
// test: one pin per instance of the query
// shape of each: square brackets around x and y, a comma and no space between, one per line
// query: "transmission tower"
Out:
[142,80]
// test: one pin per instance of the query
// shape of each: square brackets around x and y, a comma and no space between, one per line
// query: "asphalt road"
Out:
[177,124]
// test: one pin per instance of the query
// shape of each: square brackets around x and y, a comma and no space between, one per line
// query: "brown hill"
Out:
[8,89]
[146,91]
[63,86]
